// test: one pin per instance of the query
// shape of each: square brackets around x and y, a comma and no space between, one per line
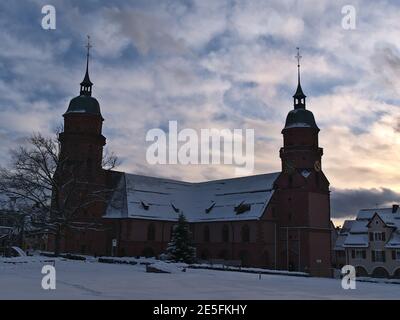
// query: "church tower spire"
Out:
[86,84]
[299,98]
[82,140]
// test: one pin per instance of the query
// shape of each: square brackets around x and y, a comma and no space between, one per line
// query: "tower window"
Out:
[290,181]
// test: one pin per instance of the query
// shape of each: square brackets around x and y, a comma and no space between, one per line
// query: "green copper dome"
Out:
[300,118]
[84,104]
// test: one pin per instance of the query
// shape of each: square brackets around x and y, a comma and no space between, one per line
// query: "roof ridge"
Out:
[201,182]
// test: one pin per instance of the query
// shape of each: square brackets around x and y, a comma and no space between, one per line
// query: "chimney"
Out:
[395,208]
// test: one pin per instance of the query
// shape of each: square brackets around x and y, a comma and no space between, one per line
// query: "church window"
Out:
[245,233]
[128,230]
[206,234]
[225,233]
[151,232]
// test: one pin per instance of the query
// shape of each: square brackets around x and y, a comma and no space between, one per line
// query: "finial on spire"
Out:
[298,57]
[86,84]
[299,96]
[88,46]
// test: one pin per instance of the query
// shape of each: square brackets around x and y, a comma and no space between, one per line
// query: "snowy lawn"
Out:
[93,280]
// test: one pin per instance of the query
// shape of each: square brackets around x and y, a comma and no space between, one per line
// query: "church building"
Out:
[278,220]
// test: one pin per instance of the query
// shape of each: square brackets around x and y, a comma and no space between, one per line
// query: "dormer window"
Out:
[176,209]
[208,210]
[242,207]
[145,205]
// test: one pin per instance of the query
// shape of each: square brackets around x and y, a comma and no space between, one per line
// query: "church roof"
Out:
[84,104]
[144,197]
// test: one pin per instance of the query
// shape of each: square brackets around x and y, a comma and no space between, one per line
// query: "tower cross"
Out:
[298,57]
[88,46]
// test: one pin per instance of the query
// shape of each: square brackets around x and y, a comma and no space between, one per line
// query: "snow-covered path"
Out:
[90,280]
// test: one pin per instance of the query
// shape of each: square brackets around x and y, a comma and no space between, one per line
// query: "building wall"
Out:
[392,266]
[150,237]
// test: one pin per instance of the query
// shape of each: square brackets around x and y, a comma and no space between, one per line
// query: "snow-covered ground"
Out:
[93,280]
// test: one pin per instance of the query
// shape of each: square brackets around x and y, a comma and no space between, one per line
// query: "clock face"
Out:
[317,166]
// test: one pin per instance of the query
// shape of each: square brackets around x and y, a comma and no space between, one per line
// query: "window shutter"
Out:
[373,256]
[393,254]
[384,256]
[383,236]
[364,254]
[371,236]
[353,254]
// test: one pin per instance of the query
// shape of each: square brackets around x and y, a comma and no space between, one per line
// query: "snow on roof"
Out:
[298,125]
[359,226]
[356,231]
[346,226]
[343,233]
[367,214]
[394,242]
[356,240]
[144,197]
[340,242]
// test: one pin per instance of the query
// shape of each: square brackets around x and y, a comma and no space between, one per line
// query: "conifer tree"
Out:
[180,248]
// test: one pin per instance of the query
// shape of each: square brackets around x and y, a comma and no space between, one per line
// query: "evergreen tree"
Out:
[180,249]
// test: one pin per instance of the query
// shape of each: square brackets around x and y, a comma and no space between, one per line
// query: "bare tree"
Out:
[51,188]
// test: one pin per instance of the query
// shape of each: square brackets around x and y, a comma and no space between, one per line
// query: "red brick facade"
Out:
[293,233]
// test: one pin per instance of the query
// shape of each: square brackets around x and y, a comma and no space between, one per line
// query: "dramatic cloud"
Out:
[214,64]
[347,202]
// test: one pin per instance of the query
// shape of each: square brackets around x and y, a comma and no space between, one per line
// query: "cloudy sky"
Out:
[215,64]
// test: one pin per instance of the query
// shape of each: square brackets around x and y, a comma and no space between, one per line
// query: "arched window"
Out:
[225,233]
[380,272]
[151,232]
[245,233]
[206,234]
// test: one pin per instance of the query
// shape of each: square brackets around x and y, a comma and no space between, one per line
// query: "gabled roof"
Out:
[367,214]
[357,234]
[356,240]
[394,242]
[152,198]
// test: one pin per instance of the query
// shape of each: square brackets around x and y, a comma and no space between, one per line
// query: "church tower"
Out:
[82,141]
[300,135]
[303,192]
